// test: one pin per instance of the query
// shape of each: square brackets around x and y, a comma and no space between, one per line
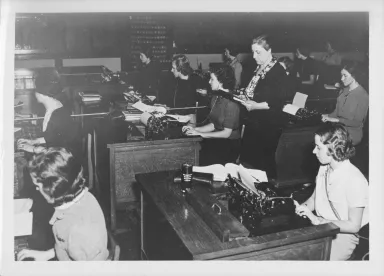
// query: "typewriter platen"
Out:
[265,212]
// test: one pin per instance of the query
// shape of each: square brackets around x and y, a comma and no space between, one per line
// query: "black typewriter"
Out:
[306,116]
[267,211]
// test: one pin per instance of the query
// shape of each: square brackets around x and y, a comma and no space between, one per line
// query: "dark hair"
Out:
[356,70]
[288,62]
[304,51]
[233,50]
[182,65]
[147,51]
[48,84]
[225,75]
[263,40]
[337,140]
[60,174]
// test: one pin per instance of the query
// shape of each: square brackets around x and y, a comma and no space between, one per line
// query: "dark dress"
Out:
[225,113]
[61,131]
[306,68]
[148,80]
[263,127]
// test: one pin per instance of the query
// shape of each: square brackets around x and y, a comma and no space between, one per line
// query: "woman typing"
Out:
[221,135]
[341,193]
[352,104]
[78,223]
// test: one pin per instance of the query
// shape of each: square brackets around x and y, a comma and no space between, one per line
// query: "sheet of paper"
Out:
[22,217]
[261,176]
[247,179]
[232,169]
[141,106]
[180,118]
[291,109]
[299,100]
[218,171]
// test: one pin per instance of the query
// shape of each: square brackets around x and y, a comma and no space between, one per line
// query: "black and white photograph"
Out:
[184,138]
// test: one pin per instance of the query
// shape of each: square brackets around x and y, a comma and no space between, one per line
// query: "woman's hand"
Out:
[202,91]
[192,132]
[25,147]
[34,254]
[326,118]
[186,128]
[250,105]
[303,211]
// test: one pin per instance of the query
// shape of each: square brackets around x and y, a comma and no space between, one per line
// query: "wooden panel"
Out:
[296,164]
[141,159]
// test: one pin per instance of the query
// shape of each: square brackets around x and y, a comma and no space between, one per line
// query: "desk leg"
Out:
[143,255]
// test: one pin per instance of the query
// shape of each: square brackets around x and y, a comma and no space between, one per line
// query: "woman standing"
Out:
[148,82]
[352,104]
[221,135]
[230,55]
[265,93]
[341,193]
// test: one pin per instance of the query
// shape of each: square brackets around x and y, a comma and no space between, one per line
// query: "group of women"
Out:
[56,172]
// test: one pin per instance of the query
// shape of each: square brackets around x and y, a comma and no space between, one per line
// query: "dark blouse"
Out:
[185,94]
[62,131]
[225,114]
[306,68]
[271,89]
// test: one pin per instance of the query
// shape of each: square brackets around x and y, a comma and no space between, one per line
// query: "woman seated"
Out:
[59,130]
[78,223]
[291,81]
[221,135]
[341,193]
[230,56]
[352,104]
[305,66]
[186,86]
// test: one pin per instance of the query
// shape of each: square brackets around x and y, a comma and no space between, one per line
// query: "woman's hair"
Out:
[338,141]
[288,62]
[233,50]
[182,65]
[263,40]
[48,84]
[225,75]
[147,51]
[60,174]
[356,71]
[304,51]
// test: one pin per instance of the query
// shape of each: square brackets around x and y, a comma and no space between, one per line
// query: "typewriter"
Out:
[267,211]
[306,116]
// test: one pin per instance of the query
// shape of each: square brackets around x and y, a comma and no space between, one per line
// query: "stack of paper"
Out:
[23,217]
[131,117]
[298,102]
[148,108]
[90,96]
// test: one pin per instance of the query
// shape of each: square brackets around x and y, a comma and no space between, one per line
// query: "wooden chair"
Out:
[113,248]
[93,179]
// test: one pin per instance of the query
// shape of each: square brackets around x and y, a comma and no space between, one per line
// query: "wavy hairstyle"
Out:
[182,65]
[337,140]
[225,75]
[60,174]
[263,40]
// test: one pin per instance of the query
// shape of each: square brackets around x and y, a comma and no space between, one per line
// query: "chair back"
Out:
[113,248]
[93,180]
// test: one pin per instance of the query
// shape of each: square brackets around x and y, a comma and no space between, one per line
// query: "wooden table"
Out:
[128,159]
[172,230]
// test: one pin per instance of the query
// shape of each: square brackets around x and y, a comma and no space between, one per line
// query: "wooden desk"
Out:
[172,230]
[128,159]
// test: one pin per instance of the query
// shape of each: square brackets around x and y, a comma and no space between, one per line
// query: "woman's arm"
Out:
[225,133]
[207,128]
[36,255]
[310,202]
[354,111]
[352,225]
[310,81]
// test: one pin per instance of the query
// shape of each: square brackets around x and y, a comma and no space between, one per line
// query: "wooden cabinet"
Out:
[128,159]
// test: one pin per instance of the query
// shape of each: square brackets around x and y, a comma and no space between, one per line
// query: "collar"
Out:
[64,209]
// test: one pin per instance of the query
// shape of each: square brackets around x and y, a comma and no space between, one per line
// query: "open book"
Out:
[247,176]
[298,102]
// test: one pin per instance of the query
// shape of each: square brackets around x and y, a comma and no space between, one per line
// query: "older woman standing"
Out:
[352,104]
[266,93]
[341,193]
[221,135]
